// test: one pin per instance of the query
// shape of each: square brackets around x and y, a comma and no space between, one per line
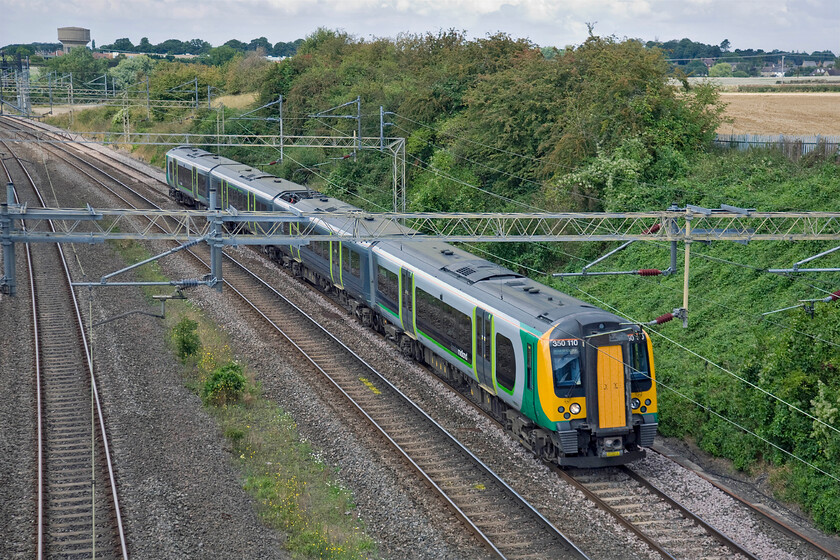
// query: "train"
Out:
[573,383]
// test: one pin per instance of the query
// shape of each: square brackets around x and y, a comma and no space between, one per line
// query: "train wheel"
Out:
[407,346]
[418,351]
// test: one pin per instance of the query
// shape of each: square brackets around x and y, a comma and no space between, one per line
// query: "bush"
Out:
[185,337]
[226,385]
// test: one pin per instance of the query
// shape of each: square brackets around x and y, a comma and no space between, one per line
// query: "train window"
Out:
[445,324]
[389,287]
[215,182]
[171,171]
[351,262]
[565,362]
[505,362]
[355,264]
[240,199]
[319,248]
[639,367]
[185,177]
[202,184]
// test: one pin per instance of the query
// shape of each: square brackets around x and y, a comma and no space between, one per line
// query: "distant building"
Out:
[71,37]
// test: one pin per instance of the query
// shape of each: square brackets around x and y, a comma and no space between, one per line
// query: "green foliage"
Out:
[129,71]
[292,487]
[186,339]
[245,73]
[225,386]
[720,70]
[80,63]
[221,55]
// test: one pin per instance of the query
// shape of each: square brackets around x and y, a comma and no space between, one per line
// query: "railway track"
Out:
[499,517]
[673,533]
[77,509]
[668,527]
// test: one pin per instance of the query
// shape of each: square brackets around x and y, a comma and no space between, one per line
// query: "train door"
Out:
[294,229]
[483,326]
[336,254]
[530,381]
[612,411]
[252,207]
[407,303]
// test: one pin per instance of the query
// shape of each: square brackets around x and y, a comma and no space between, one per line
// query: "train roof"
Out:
[241,175]
[200,158]
[517,296]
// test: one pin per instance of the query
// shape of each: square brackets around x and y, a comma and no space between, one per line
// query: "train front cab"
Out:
[599,391]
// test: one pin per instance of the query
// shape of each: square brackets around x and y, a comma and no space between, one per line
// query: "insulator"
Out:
[652,229]
[662,319]
[649,272]
[833,297]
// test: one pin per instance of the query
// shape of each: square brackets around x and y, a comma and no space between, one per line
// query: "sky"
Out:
[794,25]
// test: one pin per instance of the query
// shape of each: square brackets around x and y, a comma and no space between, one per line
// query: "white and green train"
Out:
[574,383]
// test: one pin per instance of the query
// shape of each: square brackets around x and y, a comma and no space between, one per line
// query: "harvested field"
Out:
[782,113]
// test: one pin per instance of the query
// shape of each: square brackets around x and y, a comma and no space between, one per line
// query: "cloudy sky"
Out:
[801,25]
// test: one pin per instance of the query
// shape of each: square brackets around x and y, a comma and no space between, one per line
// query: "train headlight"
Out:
[574,408]
[635,403]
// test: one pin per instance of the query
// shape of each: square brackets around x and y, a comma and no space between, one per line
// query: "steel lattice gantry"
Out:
[96,225]
[189,227]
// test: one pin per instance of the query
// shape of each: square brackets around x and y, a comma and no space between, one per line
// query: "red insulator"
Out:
[649,272]
[652,229]
[834,296]
[662,319]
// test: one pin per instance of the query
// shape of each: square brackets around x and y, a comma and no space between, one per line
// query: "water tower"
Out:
[72,37]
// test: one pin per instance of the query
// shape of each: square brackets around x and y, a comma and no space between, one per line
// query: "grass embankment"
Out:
[294,491]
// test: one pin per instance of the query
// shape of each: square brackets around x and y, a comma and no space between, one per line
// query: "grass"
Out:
[294,491]
[241,101]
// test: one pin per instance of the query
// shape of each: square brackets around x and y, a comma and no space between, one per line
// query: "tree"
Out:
[221,55]
[724,45]
[145,46]
[199,46]
[123,44]
[261,42]
[720,70]
[696,68]
[236,45]
[131,70]
[80,63]
[286,49]
[171,46]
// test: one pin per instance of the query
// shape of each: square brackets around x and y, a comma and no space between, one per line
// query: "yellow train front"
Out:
[596,390]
